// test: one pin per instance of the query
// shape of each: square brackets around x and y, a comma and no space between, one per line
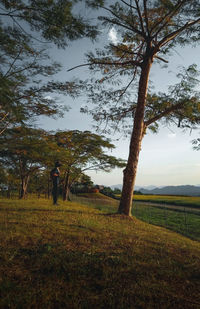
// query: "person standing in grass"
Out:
[55,174]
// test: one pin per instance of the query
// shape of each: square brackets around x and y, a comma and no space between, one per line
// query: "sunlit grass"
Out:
[169,199]
[184,222]
[187,201]
[78,256]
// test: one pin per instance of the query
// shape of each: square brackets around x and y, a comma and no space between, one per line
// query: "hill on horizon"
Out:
[119,186]
[188,190]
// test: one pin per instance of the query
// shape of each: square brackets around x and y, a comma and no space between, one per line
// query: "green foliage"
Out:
[82,185]
[26,88]
[39,183]
[116,191]
[83,151]
[146,31]
[184,222]
[108,192]
[24,151]
[54,20]
[23,144]
[3,175]
[181,105]
[28,152]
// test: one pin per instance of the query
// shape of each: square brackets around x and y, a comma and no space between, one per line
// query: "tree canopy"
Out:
[24,151]
[81,152]
[54,20]
[27,152]
[27,30]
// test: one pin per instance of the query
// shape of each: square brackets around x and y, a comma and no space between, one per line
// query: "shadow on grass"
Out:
[48,276]
[42,210]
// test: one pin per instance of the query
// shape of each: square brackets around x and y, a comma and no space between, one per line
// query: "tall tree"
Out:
[25,70]
[82,152]
[147,31]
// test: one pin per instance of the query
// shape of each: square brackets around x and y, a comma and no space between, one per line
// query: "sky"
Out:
[166,158]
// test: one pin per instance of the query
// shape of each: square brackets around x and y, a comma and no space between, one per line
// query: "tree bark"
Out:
[48,188]
[130,171]
[66,188]
[24,185]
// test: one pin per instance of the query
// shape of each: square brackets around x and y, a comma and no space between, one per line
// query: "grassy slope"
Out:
[182,221]
[75,256]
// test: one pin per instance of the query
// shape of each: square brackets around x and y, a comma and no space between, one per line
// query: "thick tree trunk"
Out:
[135,143]
[66,194]
[24,185]
[9,192]
[66,188]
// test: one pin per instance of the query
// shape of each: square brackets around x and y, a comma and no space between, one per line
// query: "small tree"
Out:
[81,152]
[23,151]
[82,185]
[108,192]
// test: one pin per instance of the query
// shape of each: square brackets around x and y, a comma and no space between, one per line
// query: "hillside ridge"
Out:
[187,190]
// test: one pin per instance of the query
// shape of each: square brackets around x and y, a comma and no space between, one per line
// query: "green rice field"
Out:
[187,201]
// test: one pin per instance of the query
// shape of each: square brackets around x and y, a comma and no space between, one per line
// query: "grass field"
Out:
[78,256]
[186,222]
[187,201]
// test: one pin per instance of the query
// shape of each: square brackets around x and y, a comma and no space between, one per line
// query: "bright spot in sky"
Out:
[171,135]
[112,35]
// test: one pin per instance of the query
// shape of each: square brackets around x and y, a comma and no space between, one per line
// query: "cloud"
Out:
[48,97]
[171,135]
[112,35]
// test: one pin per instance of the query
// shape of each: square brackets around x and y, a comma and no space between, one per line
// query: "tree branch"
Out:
[129,5]
[140,17]
[132,62]
[128,85]
[4,117]
[28,34]
[119,24]
[164,113]
[12,64]
[161,59]
[172,35]
[4,129]
[167,16]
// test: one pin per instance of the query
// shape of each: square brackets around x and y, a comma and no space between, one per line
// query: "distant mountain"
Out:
[174,190]
[166,190]
[119,186]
